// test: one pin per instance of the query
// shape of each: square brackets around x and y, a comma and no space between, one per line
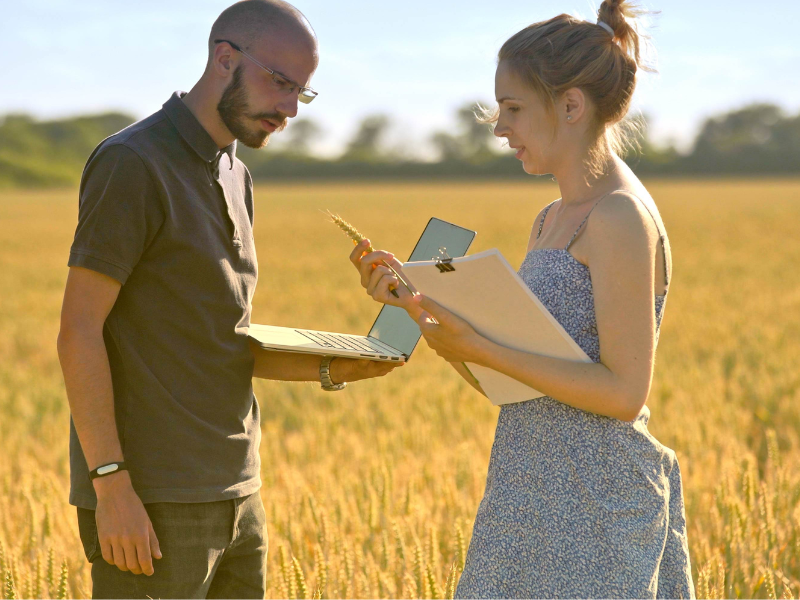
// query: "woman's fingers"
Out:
[379,274]
[370,261]
[395,264]
[386,284]
[358,252]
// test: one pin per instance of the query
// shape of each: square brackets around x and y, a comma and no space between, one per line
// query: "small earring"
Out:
[569,117]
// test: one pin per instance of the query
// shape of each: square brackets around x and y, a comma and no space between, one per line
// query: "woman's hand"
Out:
[378,279]
[450,336]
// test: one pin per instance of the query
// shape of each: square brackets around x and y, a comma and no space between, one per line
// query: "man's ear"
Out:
[222,61]
[572,107]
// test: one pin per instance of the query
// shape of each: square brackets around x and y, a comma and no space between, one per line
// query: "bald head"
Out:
[251,21]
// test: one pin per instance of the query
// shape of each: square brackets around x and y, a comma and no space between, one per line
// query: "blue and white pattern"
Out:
[577,505]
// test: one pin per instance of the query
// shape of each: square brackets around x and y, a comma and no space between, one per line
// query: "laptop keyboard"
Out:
[343,342]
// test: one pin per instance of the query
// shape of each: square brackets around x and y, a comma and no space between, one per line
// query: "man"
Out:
[153,341]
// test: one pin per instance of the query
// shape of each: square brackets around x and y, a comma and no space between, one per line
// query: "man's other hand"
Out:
[126,535]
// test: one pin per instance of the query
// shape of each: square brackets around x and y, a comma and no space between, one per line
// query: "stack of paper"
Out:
[485,291]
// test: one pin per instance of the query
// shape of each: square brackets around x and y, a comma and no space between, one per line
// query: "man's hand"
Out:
[353,369]
[126,535]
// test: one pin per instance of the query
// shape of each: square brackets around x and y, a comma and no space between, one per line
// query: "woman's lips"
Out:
[519,152]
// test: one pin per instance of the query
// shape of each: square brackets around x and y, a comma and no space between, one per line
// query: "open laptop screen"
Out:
[393,325]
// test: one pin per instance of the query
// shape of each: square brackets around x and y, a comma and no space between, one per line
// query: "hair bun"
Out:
[621,16]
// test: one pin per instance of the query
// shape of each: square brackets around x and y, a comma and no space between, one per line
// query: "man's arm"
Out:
[294,366]
[126,534]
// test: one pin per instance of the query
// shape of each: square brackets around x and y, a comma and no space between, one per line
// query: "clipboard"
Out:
[484,290]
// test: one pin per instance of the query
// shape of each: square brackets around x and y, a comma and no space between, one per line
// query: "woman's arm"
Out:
[622,249]
[462,370]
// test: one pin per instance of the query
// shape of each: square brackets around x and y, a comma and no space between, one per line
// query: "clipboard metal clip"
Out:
[443,261]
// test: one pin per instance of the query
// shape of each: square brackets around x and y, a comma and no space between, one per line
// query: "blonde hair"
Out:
[565,52]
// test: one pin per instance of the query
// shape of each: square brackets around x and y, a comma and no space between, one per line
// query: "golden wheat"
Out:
[372,492]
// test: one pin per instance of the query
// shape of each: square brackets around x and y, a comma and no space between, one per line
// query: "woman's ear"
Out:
[572,106]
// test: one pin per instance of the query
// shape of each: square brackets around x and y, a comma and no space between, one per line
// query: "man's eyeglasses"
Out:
[283,83]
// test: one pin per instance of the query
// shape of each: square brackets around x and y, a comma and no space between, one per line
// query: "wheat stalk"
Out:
[62,584]
[300,580]
[357,237]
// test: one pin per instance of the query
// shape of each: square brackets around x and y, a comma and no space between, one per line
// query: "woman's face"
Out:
[524,122]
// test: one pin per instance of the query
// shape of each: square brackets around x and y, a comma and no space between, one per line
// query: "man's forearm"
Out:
[87,377]
[285,366]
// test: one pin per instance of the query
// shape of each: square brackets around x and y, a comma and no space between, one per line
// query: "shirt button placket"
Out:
[235,240]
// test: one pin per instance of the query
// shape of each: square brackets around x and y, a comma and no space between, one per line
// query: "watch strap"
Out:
[108,469]
[325,376]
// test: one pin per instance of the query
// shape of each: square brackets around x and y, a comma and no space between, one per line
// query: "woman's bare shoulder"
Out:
[622,218]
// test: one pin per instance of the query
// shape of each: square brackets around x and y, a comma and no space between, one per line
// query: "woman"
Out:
[581,501]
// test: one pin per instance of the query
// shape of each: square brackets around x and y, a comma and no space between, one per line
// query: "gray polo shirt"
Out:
[170,216]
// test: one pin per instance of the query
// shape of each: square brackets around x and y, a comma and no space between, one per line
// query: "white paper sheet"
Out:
[486,292]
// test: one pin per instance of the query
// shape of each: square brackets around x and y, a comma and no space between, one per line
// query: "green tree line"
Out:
[759,139]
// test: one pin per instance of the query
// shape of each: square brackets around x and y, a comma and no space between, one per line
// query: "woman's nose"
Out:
[501,131]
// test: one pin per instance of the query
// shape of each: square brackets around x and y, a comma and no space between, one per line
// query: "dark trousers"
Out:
[210,550]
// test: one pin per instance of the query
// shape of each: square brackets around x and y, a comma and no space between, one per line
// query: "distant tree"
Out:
[756,138]
[477,136]
[300,135]
[641,153]
[447,146]
[751,126]
[45,153]
[366,144]
[472,141]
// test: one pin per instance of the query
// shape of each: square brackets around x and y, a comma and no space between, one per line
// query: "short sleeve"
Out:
[119,213]
[248,194]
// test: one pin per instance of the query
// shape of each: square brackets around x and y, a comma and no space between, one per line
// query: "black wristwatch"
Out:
[109,469]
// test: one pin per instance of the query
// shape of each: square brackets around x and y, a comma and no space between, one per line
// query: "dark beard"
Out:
[232,109]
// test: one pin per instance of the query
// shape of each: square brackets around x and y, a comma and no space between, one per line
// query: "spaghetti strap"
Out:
[544,214]
[578,230]
[661,235]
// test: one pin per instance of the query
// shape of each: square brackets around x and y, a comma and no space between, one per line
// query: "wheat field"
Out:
[371,492]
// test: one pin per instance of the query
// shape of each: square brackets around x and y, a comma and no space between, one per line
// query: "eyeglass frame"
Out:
[304,95]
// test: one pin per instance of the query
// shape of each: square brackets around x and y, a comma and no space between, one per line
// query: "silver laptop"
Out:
[394,335]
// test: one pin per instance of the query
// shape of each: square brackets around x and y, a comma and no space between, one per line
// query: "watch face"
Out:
[107,469]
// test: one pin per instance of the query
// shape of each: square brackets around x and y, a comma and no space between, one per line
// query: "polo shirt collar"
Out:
[194,133]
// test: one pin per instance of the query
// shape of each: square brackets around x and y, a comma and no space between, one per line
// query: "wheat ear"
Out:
[357,237]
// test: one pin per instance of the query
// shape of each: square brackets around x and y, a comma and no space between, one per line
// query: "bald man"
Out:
[153,344]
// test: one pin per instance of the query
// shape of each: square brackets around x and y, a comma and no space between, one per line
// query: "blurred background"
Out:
[398,83]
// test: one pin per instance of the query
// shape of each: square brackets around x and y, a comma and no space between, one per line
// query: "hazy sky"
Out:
[416,60]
